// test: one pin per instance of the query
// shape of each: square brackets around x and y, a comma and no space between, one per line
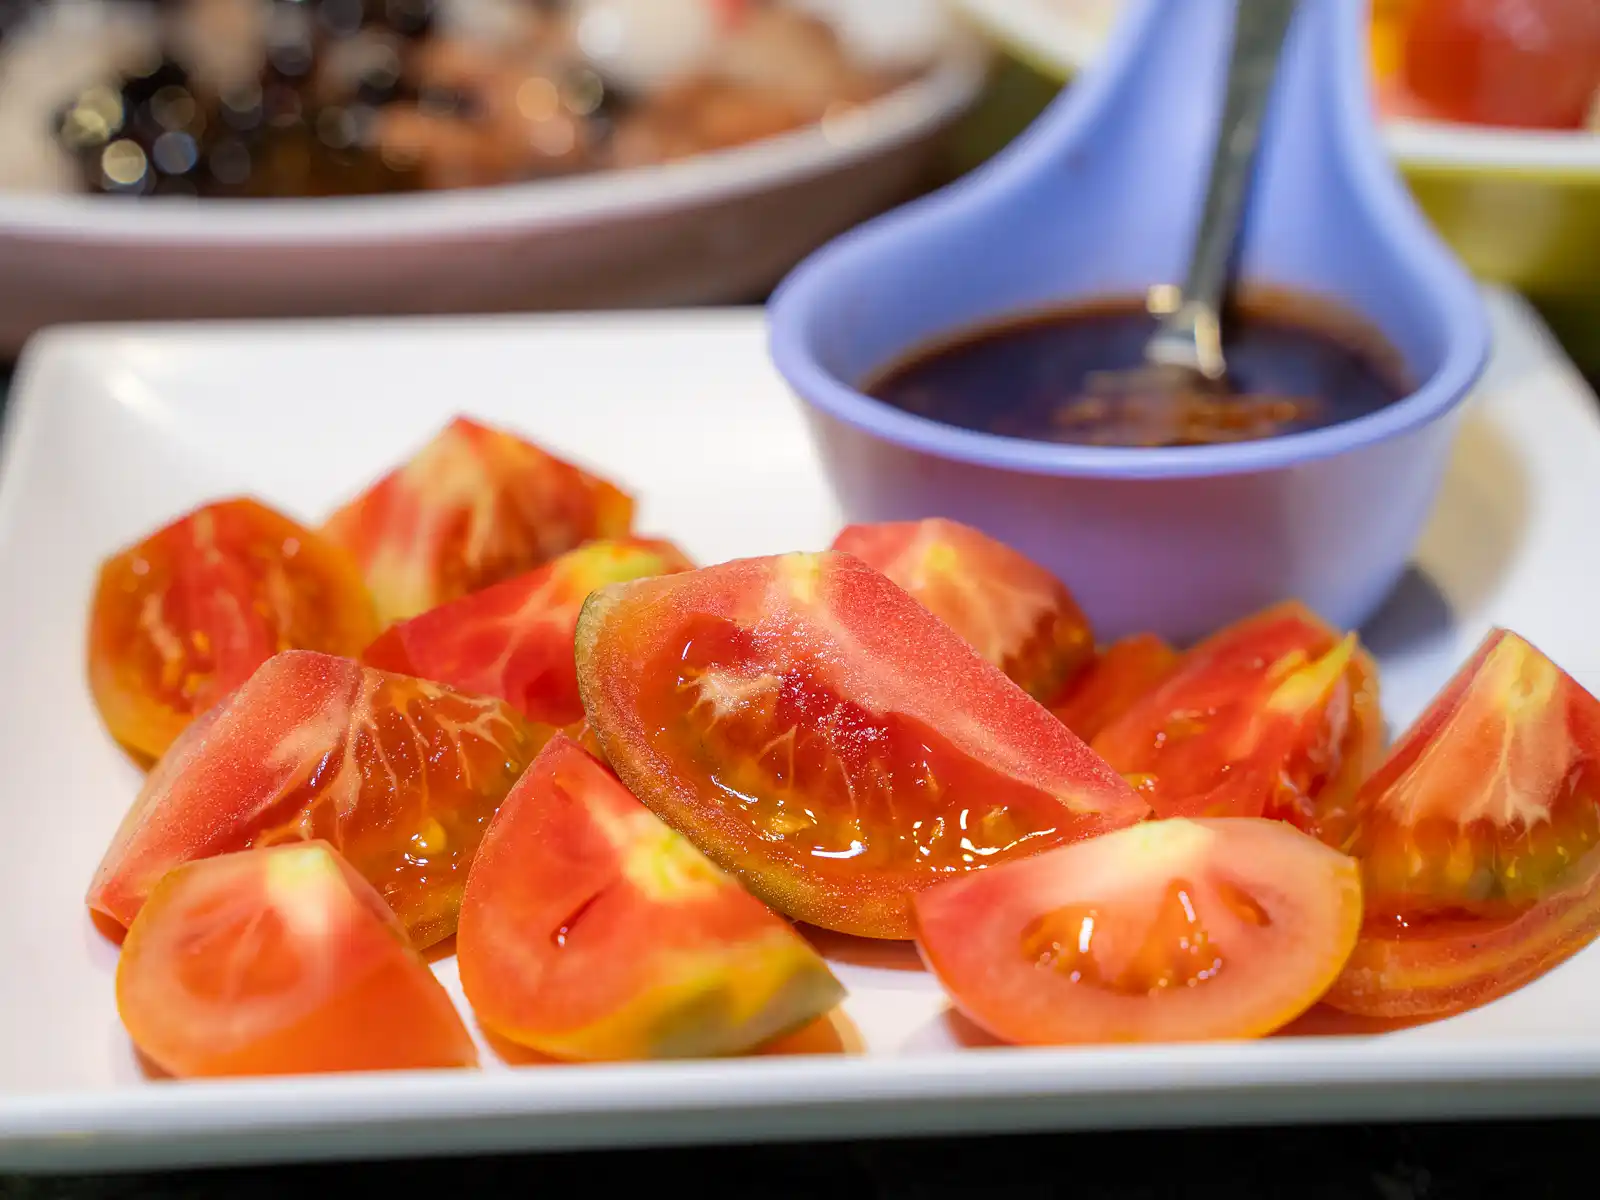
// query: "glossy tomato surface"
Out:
[400,775]
[473,507]
[1109,686]
[1173,930]
[1018,615]
[514,640]
[1274,716]
[1414,968]
[817,732]
[1479,839]
[1524,63]
[1491,800]
[591,930]
[187,615]
[281,961]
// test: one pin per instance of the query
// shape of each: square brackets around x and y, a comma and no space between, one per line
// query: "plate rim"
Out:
[711,1102]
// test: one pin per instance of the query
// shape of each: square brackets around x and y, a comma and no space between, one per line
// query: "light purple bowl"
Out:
[1100,198]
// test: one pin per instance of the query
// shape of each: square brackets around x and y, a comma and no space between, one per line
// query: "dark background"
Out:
[1430,1162]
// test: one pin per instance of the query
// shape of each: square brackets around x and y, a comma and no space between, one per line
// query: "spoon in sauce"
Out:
[1182,396]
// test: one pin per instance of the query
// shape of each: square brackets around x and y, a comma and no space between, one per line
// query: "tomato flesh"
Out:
[473,507]
[1014,612]
[280,961]
[1177,930]
[1275,716]
[184,617]
[824,737]
[1437,967]
[1110,685]
[514,640]
[399,774]
[1490,802]
[1521,63]
[592,931]
[1479,839]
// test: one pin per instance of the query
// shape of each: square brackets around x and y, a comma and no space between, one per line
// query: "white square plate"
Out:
[115,431]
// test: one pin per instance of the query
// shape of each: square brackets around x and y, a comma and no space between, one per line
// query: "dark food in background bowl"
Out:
[327,97]
[1294,364]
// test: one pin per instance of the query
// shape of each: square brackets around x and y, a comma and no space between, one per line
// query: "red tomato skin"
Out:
[514,640]
[1437,968]
[1267,916]
[1210,741]
[1110,685]
[591,931]
[840,634]
[473,507]
[376,1006]
[1016,614]
[310,748]
[185,616]
[1520,63]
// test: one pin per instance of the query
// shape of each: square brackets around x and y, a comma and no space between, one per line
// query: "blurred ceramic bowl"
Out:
[1099,199]
[719,227]
[1519,207]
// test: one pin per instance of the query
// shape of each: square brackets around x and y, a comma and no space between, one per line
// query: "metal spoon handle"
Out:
[1191,336]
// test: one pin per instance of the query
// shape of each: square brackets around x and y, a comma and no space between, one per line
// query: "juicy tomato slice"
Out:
[1173,930]
[514,640]
[281,961]
[1274,716]
[184,617]
[1523,63]
[816,731]
[1110,685]
[475,506]
[1441,966]
[1017,614]
[592,931]
[1490,802]
[399,774]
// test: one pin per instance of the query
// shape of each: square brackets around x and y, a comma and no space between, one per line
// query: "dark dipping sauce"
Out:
[1294,363]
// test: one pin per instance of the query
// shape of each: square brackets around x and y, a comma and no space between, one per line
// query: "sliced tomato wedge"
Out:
[592,931]
[1437,967]
[399,774]
[184,617]
[475,506]
[1274,716]
[1490,802]
[1109,686]
[820,734]
[514,640]
[281,961]
[1479,839]
[1170,931]
[1017,614]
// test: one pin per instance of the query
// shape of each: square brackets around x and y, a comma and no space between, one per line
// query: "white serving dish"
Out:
[720,227]
[116,430]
